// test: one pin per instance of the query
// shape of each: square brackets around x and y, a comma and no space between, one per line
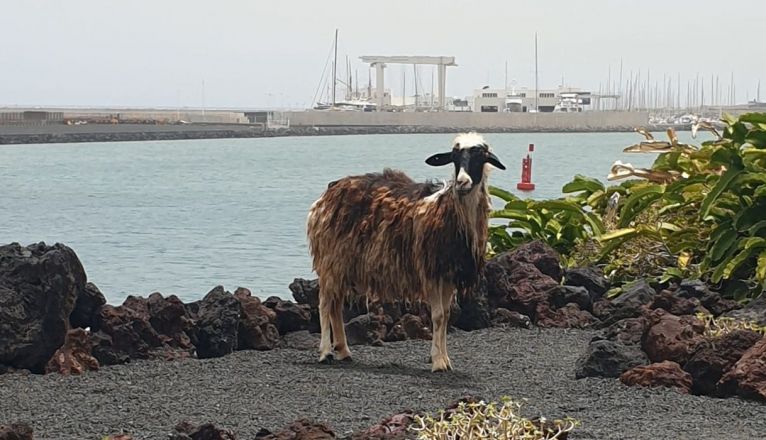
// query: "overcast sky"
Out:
[271,53]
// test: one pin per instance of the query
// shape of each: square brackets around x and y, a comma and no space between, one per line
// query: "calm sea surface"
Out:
[180,217]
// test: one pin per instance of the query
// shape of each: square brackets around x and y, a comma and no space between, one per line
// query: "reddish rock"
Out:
[127,332]
[257,323]
[569,316]
[16,431]
[409,327]
[74,357]
[748,375]
[628,331]
[505,317]
[119,437]
[366,329]
[516,285]
[291,317]
[390,428]
[169,318]
[542,256]
[663,374]
[715,358]
[300,430]
[672,338]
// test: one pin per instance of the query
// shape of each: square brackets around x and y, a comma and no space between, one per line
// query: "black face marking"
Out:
[470,159]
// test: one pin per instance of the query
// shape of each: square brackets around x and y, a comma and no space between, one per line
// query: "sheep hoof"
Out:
[346,360]
[327,359]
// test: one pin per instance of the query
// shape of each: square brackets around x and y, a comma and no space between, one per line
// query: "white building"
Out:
[528,100]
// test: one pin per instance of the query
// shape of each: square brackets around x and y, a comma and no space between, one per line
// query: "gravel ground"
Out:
[249,390]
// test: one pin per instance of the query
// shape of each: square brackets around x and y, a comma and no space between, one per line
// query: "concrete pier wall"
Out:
[585,121]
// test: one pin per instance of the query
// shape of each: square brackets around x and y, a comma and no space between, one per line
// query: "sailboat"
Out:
[351,103]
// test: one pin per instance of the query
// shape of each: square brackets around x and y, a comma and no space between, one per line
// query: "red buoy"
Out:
[526,172]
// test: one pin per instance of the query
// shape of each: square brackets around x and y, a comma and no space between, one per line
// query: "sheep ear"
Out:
[440,159]
[494,161]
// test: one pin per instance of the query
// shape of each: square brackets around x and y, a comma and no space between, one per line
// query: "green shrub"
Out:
[697,212]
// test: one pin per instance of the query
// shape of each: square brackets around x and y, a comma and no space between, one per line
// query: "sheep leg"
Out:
[325,343]
[447,296]
[339,332]
[438,356]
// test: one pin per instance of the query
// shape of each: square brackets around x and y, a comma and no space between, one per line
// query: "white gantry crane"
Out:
[380,63]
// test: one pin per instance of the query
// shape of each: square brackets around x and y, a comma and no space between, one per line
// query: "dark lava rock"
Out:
[89,299]
[754,311]
[257,323]
[516,285]
[300,430]
[663,374]
[591,278]
[748,375]
[609,359]
[715,358]
[208,431]
[638,294]
[366,329]
[672,338]
[39,285]
[217,325]
[628,331]
[169,318]
[712,301]
[505,317]
[560,296]
[542,256]
[305,292]
[291,317]
[569,316]
[74,357]
[677,304]
[16,431]
[473,311]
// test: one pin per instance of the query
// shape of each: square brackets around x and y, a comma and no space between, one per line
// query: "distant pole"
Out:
[415,81]
[204,119]
[620,86]
[505,83]
[537,80]
[334,66]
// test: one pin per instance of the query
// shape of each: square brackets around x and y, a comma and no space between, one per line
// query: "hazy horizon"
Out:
[253,54]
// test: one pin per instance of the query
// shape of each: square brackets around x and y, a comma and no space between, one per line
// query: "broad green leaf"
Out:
[720,187]
[618,233]
[501,193]
[583,183]
[753,118]
[723,244]
[760,270]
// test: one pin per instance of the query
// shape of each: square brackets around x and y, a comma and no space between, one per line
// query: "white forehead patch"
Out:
[468,140]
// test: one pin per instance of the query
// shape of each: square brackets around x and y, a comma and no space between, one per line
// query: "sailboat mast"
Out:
[537,80]
[334,67]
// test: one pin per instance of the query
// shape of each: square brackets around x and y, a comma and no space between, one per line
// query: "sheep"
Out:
[386,237]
